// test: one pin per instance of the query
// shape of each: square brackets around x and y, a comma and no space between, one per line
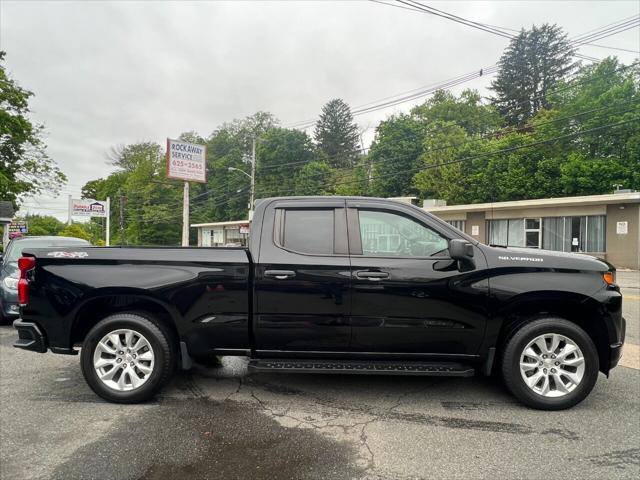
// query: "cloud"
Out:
[108,73]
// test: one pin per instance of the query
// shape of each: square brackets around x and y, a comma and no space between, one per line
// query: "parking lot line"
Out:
[630,297]
[630,356]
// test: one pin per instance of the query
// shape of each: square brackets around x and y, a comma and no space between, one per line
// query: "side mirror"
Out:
[462,251]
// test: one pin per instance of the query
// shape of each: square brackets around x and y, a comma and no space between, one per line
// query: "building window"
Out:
[233,237]
[217,237]
[563,234]
[532,231]
[459,224]
[509,232]
[206,237]
[575,234]
[556,234]
[596,233]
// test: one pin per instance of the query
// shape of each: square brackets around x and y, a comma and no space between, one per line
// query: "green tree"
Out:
[25,167]
[150,202]
[531,66]
[314,179]
[425,137]
[441,177]
[609,156]
[337,134]
[282,154]
[43,225]
[75,230]
[225,196]
[466,111]
[394,156]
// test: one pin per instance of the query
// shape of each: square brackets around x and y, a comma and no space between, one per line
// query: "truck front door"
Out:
[408,296]
[302,279]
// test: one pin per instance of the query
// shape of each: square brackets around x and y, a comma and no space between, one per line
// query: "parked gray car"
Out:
[9,269]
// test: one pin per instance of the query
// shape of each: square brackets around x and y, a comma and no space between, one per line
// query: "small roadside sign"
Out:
[18,227]
[88,208]
[244,229]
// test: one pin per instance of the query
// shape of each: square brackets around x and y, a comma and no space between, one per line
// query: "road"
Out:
[223,423]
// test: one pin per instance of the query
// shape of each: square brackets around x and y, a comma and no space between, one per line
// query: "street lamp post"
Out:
[251,176]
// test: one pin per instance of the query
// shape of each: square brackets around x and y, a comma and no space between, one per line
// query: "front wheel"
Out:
[550,364]
[127,358]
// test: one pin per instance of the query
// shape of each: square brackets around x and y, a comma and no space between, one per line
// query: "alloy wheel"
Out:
[552,365]
[123,360]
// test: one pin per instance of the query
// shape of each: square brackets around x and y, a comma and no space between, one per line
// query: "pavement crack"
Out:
[236,391]
[285,414]
[364,441]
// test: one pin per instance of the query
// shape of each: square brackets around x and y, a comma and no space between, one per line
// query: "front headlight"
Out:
[11,283]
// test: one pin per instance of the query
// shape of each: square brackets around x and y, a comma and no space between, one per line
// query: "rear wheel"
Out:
[550,364]
[127,358]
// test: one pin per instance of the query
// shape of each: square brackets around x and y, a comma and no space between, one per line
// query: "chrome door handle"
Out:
[280,274]
[371,275]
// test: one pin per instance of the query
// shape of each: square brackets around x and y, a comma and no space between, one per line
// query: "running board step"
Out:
[433,369]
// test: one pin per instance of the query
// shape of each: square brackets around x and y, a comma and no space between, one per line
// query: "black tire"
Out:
[160,341]
[520,338]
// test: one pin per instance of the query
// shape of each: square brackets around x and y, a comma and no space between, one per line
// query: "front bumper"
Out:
[615,350]
[29,337]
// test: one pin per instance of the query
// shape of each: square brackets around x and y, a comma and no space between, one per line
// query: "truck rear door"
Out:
[302,278]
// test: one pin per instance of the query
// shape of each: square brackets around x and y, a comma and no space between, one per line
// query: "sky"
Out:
[112,73]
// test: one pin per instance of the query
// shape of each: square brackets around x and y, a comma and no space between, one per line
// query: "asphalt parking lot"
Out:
[224,423]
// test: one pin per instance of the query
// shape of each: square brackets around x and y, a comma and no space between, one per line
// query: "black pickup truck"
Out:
[329,285]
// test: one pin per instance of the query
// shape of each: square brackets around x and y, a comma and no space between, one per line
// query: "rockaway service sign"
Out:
[186,161]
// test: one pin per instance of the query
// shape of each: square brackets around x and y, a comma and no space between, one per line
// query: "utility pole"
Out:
[70,210]
[253,178]
[185,215]
[121,218]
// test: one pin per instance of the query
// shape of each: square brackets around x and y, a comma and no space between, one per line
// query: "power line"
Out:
[434,11]
[346,172]
[417,6]
[414,94]
[570,85]
[498,152]
[614,48]
[492,134]
[576,42]
[222,202]
[428,167]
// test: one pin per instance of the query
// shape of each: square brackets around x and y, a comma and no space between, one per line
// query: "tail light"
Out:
[25,264]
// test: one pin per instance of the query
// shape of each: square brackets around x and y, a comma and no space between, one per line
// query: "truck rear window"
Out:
[309,231]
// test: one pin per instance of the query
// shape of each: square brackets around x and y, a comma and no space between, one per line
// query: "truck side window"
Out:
[309,231]
[385,234]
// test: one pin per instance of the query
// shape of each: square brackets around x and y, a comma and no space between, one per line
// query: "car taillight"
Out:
[25,264]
